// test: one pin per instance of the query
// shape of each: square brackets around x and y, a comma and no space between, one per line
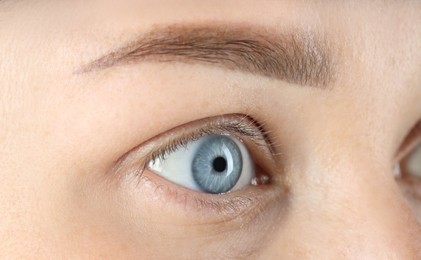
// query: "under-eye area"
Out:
[224,165]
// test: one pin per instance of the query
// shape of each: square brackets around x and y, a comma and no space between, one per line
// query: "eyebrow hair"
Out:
[298,58]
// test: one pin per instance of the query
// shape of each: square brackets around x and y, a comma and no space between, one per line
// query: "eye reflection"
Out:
[212,164]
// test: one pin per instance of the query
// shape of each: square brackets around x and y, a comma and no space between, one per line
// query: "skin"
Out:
[333,194]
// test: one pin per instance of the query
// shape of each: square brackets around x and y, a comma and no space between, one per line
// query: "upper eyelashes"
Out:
[240,126]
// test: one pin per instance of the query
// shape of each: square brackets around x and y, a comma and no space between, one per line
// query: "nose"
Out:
[345,209]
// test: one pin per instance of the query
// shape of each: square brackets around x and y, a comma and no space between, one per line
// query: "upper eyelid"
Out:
[242,125]
[239,125]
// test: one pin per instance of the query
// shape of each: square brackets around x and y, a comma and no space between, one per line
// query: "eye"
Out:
[212,164]
[411,165]
[409,155]
[222,165]
[408,169]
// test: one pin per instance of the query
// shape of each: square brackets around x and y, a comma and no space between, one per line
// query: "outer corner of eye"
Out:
[212,164]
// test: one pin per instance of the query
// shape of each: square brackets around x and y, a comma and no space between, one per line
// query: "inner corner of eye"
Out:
[213,164]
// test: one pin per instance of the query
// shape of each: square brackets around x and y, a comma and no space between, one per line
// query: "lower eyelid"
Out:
[209,208]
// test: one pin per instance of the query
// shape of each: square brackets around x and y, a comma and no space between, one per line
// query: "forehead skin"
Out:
[61,130]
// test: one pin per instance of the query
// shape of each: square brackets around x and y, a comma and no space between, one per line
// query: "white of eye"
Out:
[212,164]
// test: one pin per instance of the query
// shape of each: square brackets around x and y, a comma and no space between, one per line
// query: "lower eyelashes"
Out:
[181,201]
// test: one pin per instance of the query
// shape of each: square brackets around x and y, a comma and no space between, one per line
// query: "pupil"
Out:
[220,164]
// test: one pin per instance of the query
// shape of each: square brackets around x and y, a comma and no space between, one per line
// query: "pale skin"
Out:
[65,131]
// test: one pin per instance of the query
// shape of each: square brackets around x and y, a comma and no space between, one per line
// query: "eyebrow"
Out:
[299,58]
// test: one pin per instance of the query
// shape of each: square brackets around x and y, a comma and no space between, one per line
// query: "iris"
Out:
[213,164]
[217,164]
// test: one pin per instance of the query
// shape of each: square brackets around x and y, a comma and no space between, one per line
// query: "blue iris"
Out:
[217,164]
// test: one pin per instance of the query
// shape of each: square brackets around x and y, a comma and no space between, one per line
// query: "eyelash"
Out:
[243,127]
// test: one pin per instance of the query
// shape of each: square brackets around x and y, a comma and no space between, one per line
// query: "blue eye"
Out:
[213,164]
[217,164]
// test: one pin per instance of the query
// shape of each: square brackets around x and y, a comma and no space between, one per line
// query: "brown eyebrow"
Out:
[293,57]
